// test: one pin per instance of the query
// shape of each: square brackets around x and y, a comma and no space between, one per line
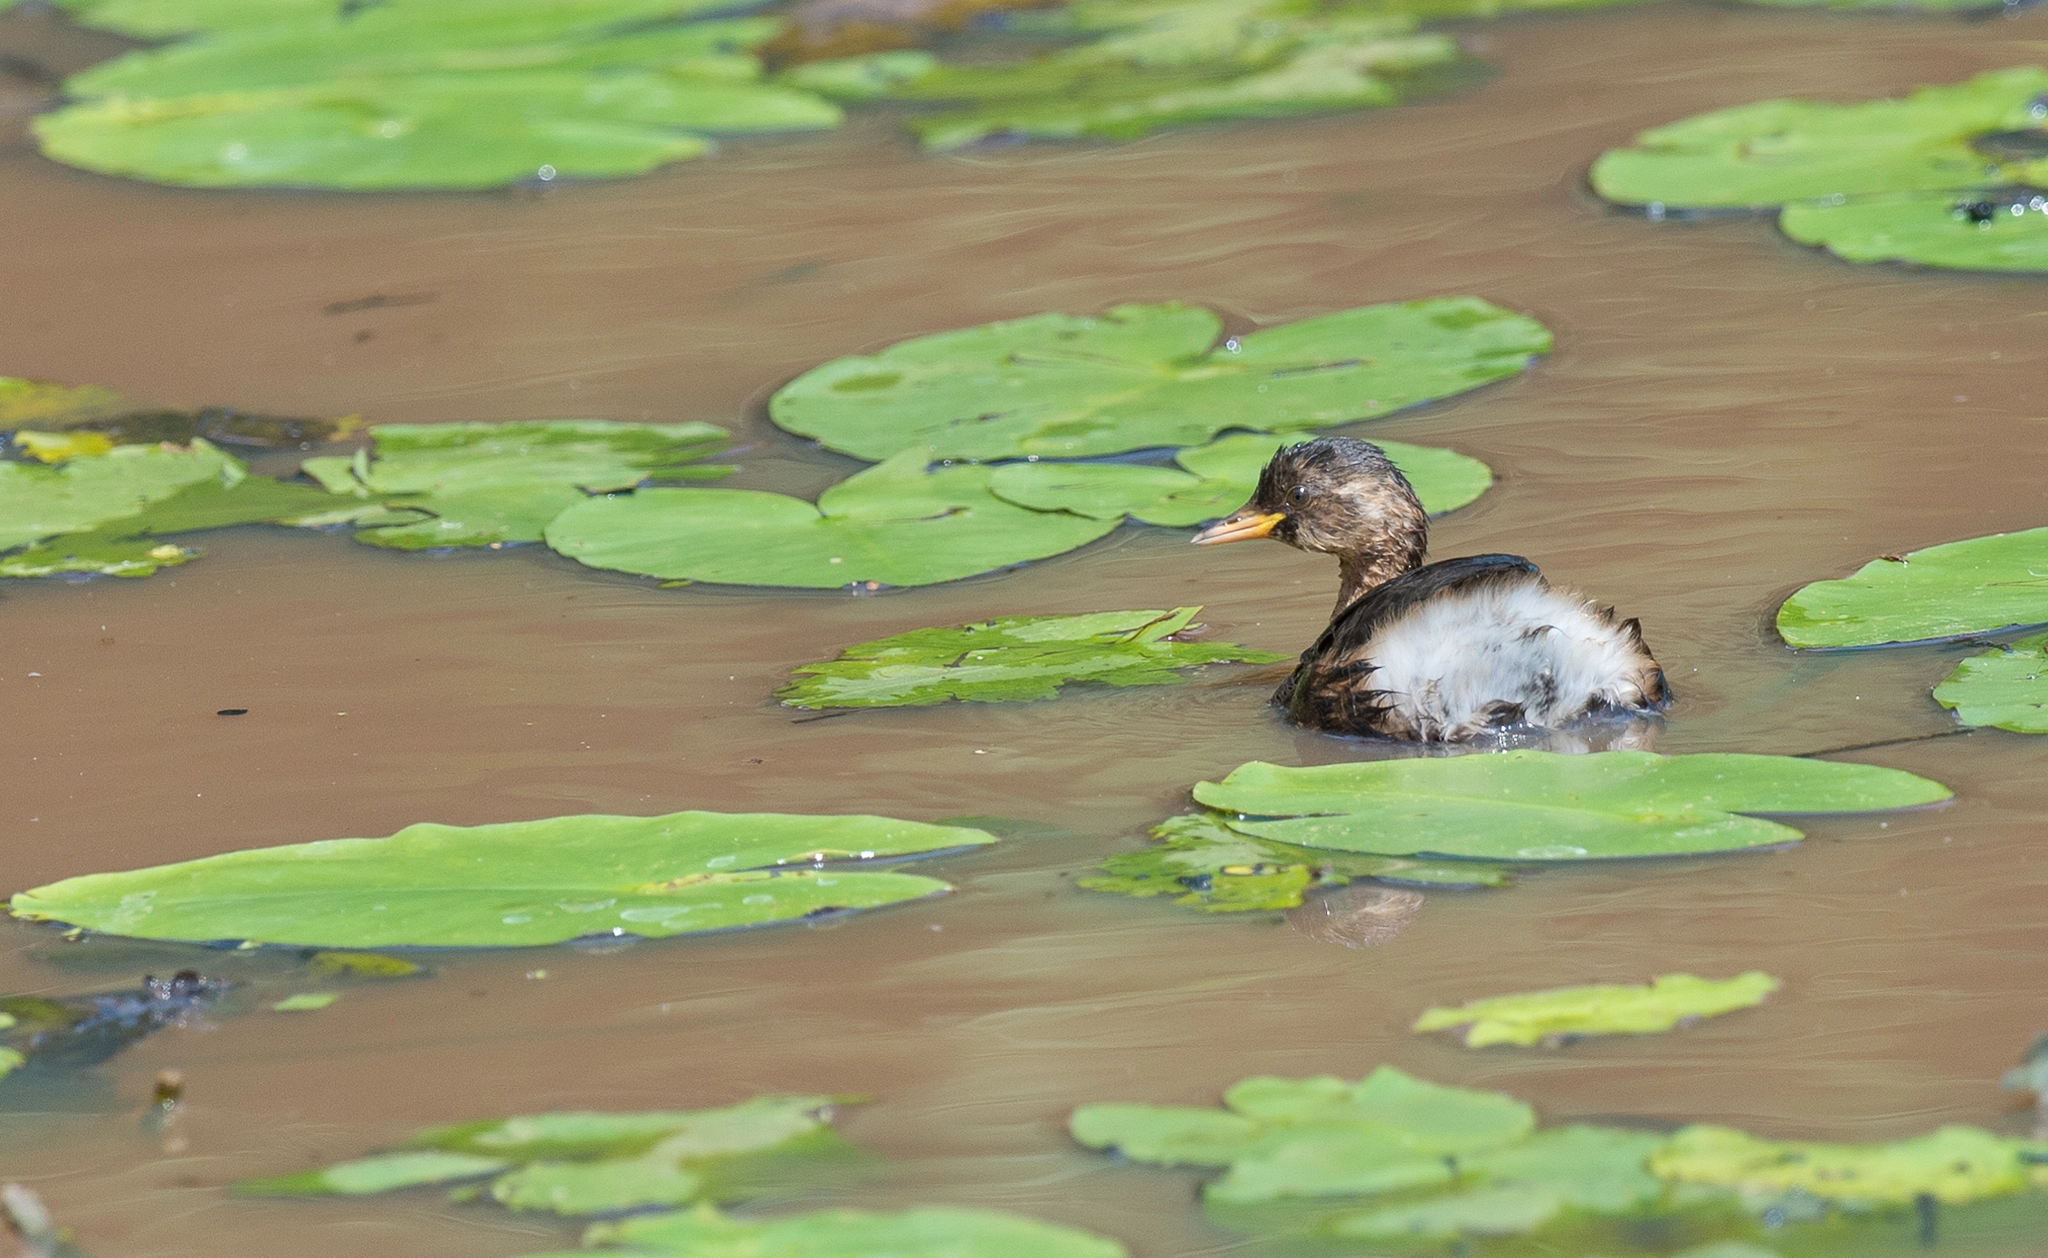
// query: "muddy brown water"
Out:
[1726,416]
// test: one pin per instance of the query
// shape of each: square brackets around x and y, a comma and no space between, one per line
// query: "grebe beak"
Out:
[1239,526]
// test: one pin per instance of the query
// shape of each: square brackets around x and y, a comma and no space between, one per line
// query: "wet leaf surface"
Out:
[1017,658]
[1565,1013]
[2006,687]
[88,488]
[1219,477]
[1203,864]
[517,883]
[133,545]
[589,1162]
[1947,591]
[418,94]
[1543,806]
[485,484]
[1932,178]
[928,1232]
[1138,377]
[893,524]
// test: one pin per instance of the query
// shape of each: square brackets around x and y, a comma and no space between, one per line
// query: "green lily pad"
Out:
[305,1002]
[1948,591]
[1019,657]
[1219,478]
[1165,63]
[927,1232]
[133,545]
[1598,1009]
[1953,1165]
[10,1061]
[81,493]
[1543,806]
[892,524]
[37,402]
[583,1163]
[419,93]
[1203,864]
[490,484]
[1923,179]
[2006,687]
[1137,377]
[517,883]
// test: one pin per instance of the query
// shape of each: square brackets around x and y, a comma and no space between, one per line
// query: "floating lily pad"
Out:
[584,1163]
[133,545]
[928,1232]
[419,93]
[362,965]
[1932,178]
[36,402]
[892,524]
[1136,377]
[1020,657]
[1542,806]
[1598,1009]
[489,484]
[1953,1165]
[1948,591]
[1164,63]
[112,483]
[1205,865]
[305,1002]
[1218,479]
[2006,687]
[518,883]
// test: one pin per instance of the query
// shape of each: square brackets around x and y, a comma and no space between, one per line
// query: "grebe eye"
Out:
[1301,493]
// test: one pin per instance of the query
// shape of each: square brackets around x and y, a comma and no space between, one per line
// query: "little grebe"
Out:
[1440,652]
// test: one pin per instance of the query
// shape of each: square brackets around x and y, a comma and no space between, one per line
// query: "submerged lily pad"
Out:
[37,402]
[585,1163]
[1205,865]
[517,883]
[892,524]
[1218,479]
[1930,178]
[1598,1009]
[927,1232]
[1952,1165]
[1948,591]
[1020,657]
[1543,806]
[2006,687]
[419,93]
[1136,377]
[489,484]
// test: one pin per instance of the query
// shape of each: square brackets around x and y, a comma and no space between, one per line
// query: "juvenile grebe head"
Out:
[1335,496]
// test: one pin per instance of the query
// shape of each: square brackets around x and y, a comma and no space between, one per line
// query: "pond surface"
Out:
[1726,417]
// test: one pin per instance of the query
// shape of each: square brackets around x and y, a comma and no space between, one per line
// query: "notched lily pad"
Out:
[1566,1013]
[1016,658]
[517,883]
[1949,176]
[492,484]
[1138,377]
[2006,687]
[1219,477]
[894,524]
[1203,864]
[1953,590]
[1542,806]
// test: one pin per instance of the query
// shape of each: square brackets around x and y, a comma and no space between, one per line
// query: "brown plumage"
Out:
[1441,652]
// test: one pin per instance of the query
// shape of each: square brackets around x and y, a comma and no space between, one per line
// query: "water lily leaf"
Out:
[517,883]
[1968,231]
[83,492]
[1203,864]
[1136,377]
[133,545]
[1544,806]
[10,1061]
[1953,1165]
[305,1002]
[1598,1009]
[489,484]
[25,402]
[413,94]
[1481,1212]
[927,1232]
[1160,64]
[1947,591]
[1220,476]
[597,1187]
[752,1126]
[1019,657]
[892,524]
[2006,687]
[362,965]
[381,1173]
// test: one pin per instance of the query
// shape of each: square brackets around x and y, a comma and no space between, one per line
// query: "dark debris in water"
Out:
[86,1030]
